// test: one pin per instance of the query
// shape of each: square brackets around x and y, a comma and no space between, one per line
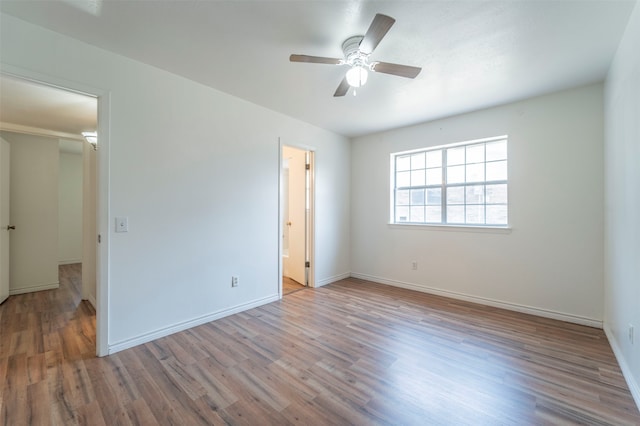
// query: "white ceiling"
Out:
[38,109]
[474,54]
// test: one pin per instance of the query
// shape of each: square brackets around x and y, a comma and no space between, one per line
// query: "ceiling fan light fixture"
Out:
[91,137]
[357,76]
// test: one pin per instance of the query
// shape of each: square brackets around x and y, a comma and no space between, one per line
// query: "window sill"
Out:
[452,228]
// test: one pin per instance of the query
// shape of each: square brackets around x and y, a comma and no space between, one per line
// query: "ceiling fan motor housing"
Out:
[352,54]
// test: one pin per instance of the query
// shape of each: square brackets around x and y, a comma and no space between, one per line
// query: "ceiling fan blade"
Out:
[396,69]
[343,88]
[315,59]
[376,32]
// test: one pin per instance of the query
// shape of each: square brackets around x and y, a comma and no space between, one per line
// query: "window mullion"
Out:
[443,201]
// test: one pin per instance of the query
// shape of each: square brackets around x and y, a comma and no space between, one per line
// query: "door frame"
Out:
[5,233]
[102,188]
[311,228]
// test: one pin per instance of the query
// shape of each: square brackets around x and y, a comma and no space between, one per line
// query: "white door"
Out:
[296,220]
[4,219]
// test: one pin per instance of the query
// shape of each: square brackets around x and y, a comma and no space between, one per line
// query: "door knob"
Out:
[10,227]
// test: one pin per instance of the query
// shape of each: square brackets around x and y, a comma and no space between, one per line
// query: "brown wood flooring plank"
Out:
[290,286]
[353,352]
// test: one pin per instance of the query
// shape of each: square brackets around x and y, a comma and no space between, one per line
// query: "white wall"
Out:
[550,263]
[33,252]
[70,208]
[622,203]
[196,172]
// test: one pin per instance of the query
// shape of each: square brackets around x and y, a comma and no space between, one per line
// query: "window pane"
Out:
[497,151]
[425,192]
[433,214]
[455,156]
[402,197]
[475,172]
[417,214]
[475,194]
[497,170]
[496,194]
[417,161]
[497,215]
[417,177]
[455,195]
[434,176]
[403,179]
[434,158]
[403,163]
[475,154]
[417,197]
[455,214]
[475,214]
[434,196]
[455,174]
[402,214]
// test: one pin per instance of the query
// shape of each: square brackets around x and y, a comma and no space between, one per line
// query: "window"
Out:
[459,184]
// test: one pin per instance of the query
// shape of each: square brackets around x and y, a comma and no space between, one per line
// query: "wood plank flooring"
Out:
[289,286]
[352,352]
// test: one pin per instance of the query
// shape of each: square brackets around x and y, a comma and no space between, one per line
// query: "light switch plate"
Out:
[122,224]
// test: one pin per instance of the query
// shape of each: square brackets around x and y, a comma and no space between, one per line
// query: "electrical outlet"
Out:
[235,281]
[414,265]
[631,333]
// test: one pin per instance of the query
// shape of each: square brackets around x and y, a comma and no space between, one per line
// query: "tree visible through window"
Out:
[459,184]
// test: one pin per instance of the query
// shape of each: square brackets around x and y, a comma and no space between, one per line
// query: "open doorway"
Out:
[296,219]
[50,194]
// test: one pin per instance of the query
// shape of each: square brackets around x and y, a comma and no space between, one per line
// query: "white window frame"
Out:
[443,185]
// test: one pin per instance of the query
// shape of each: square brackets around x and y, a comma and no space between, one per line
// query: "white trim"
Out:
[92,299]
[166,331]
[19,128]
[333,279]
[32,288]
[546,313]
[634,386]
[280,219]
[69,261]
[452,228]
[103,220]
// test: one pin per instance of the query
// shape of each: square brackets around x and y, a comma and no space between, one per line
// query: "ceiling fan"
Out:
[356,51]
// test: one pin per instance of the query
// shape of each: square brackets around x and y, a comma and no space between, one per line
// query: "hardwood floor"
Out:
[352,352]
[289,286]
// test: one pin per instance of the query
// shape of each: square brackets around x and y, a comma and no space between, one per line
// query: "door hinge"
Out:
[99,238]
[307,264]
[307,166]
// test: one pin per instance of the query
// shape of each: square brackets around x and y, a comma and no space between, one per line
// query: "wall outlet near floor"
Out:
[631,333]
[414,265]
[235,281]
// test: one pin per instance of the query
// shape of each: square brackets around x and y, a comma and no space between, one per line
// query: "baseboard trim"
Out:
[485,301]
[32,288]
[92,299]
[333,279]
[148,337]
[634,386]
[69,262]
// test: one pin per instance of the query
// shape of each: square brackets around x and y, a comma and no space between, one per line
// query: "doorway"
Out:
[43,125]
[296,219]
